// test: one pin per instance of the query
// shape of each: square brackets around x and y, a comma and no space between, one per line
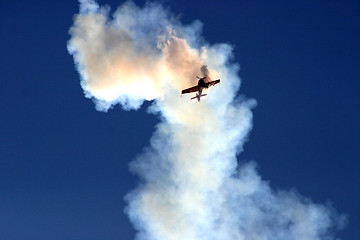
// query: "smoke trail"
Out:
[192,187]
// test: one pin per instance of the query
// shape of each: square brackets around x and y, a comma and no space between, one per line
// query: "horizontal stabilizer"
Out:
[203,95]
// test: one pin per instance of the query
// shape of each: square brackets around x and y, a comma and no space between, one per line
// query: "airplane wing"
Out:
[212,83]
[189,90]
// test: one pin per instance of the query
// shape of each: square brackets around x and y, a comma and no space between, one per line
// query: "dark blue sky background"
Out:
[63,165]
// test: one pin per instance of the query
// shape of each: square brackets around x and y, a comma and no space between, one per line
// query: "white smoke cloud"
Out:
[192,186]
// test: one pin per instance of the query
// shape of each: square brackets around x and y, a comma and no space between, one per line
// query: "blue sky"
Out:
[60,180]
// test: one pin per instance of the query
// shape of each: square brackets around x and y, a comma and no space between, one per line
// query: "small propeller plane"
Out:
[199,88]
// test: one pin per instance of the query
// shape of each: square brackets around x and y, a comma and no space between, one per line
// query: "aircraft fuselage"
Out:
[201,84]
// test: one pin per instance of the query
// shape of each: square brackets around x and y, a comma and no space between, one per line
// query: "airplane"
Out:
[199,88]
